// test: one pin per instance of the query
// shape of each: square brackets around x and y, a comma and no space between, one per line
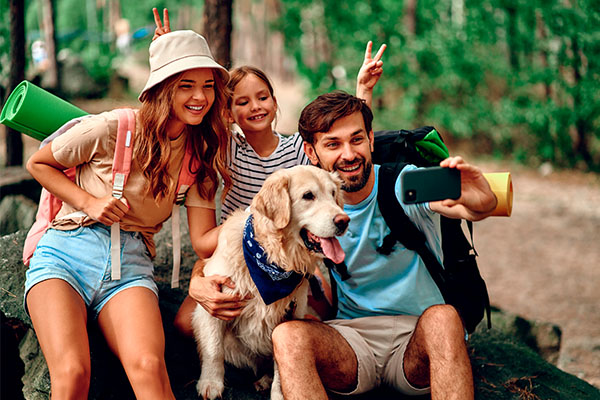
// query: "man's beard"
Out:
[356,183]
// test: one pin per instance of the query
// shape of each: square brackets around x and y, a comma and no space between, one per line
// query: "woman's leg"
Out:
[132,325]
[59,317]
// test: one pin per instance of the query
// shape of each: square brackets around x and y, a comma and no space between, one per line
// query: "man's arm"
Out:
[477,201]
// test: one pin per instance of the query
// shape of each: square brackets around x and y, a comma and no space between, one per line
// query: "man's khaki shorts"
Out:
[379,344]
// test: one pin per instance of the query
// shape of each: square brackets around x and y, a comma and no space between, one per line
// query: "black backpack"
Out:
[459,280]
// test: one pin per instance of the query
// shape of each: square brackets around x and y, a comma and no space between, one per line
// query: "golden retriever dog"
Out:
[269,252]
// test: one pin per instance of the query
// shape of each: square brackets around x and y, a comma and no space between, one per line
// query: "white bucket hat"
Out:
[179,51]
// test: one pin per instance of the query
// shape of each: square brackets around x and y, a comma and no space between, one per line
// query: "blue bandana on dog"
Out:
[273,283]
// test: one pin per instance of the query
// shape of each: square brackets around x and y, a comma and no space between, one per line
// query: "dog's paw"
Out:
[210,389]
[276,393]
[263,383]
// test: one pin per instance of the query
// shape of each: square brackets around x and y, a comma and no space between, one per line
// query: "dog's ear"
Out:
[338,182]
[273,200]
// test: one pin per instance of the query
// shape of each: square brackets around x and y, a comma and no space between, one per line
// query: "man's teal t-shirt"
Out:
[397,284]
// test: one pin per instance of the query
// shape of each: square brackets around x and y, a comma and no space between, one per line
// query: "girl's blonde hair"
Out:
[209,140]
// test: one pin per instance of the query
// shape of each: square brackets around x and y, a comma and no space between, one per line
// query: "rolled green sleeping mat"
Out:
[35,112]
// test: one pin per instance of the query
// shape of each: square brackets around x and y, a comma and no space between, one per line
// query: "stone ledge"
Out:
[503,366]
[17,180]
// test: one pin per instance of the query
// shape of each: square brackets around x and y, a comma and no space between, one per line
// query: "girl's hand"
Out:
[369,73]
[160,29]
[106,210]
[207,291]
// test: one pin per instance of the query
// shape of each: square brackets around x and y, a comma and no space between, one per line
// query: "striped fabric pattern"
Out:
[249,170]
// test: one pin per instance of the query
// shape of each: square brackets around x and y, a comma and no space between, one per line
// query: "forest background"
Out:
[516,79]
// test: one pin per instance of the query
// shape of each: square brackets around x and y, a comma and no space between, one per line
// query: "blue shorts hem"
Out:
[29,284]
[144,283]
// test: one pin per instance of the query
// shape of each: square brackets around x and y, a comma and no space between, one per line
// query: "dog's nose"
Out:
[341,222]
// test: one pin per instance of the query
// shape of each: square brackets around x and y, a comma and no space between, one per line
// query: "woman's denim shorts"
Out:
[81,257]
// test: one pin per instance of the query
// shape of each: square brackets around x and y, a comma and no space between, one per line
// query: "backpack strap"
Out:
[121,169]
[187,177]
[402,229]
[342,270]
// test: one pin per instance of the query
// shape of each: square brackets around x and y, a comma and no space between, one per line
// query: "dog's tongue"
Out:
[332,249]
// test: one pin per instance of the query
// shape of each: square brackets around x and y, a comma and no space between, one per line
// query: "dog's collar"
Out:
[272,281]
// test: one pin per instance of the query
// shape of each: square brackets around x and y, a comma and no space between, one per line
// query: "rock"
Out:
[503,367]
[79,82]
[542,337]
[36,379]
[18,181]
[17,212]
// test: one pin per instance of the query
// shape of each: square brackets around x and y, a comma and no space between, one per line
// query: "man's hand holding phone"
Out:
[476,200]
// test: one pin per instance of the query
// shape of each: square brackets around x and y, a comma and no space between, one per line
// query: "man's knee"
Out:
[440,330]
[442,317]
[291,337]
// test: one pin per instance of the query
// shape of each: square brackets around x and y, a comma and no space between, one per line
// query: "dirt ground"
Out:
[542,263]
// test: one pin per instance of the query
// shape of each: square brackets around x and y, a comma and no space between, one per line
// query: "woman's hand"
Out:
[49,173]
[106,210]
[160,28]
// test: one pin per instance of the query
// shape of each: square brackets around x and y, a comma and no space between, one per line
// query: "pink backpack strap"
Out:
[123,150]
[121,169]
[187,174]
[187,177]
[49,205]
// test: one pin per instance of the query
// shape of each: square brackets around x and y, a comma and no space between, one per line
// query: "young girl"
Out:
[69,277]
[253,155]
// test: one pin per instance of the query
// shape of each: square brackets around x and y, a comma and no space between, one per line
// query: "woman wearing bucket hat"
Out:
[69,277]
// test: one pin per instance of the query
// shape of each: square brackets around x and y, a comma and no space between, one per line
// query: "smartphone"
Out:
[430,184]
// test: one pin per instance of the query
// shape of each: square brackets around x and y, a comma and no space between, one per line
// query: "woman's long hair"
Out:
[209,140]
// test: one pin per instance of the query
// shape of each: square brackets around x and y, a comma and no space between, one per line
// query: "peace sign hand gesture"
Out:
[369,73]
[160,29]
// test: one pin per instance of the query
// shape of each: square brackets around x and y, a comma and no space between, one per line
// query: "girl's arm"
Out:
[207,291]
[48,172]
[369,73]
[203,230]
[160,28]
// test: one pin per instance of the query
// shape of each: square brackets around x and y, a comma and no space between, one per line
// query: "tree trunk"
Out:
[511,37]
[51,76]
[543,37]
[14,141]
[410,17]
[581,145]
[217,29]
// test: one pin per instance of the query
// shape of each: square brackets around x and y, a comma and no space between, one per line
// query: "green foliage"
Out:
[82,29]
[516,78]
[4,43]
